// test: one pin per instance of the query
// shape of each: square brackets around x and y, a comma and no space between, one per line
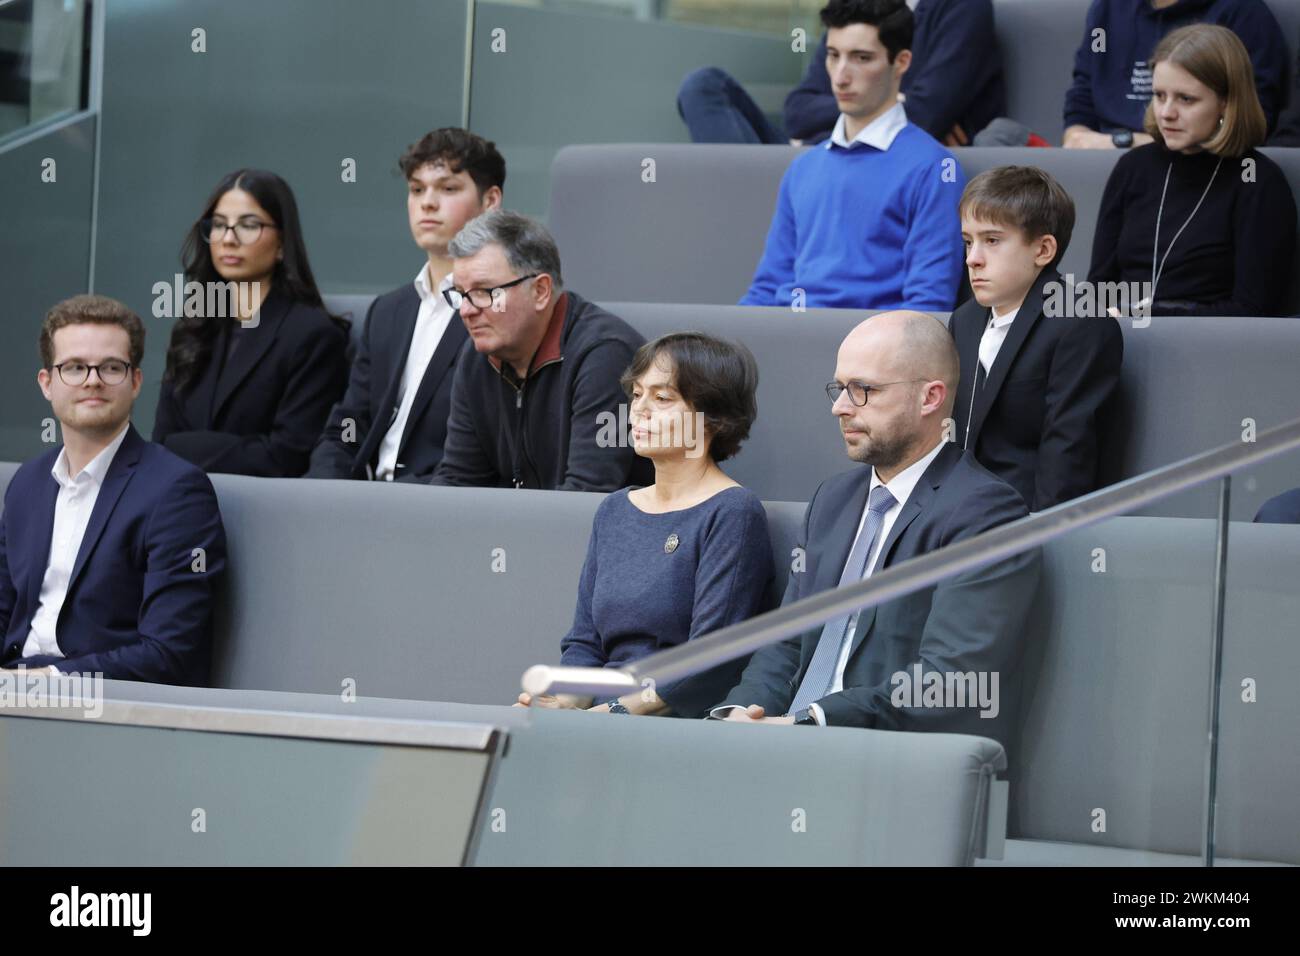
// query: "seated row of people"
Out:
[871,219]
[954,86]
[111,547]
[507,378]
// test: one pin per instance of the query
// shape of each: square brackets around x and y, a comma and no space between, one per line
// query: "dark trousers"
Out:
[717,109]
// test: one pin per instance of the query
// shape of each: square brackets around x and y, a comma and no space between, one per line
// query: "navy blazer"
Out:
[971,622]
[1043,415]
[259,413]
[139,604]
[371,398]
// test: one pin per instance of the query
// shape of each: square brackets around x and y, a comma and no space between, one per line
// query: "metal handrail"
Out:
[737,640]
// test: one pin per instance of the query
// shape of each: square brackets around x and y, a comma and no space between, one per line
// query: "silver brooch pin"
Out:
[671,544]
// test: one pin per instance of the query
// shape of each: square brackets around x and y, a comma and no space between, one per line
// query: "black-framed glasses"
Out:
[110,372]
[859,392]
[247,230]
[481,298]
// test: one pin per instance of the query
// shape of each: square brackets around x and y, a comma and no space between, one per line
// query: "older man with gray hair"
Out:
[538,380]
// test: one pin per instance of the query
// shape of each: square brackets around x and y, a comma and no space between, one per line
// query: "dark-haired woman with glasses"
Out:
[255,363]
[686,555]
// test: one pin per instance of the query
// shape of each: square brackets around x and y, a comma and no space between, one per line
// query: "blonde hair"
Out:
[1216,57]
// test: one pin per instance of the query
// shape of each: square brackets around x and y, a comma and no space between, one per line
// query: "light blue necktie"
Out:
[821,669]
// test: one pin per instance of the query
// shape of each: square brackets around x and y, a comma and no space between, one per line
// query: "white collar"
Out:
[903,483]
[422,283]
[879,133]
[1002,321]
[95,469]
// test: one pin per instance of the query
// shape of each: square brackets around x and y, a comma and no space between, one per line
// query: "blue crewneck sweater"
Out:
[1111,88]
[863,229]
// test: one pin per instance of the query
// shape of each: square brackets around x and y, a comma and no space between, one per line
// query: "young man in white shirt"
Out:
[392,422]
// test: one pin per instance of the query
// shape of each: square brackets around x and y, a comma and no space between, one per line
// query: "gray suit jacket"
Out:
[971,623]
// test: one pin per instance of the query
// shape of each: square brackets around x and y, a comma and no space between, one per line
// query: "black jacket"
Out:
[371,398]
[1038,421]
[259,413]
[550,430]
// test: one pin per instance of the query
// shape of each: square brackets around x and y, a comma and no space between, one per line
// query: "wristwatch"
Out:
[805,718]
[1122,139]
[616,707]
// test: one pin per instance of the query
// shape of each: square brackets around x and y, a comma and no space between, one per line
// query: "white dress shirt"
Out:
[880,132]
[430,325]
[995,333]
[72,511]
[901,487]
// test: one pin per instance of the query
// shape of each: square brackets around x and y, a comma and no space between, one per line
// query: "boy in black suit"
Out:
[1037,380]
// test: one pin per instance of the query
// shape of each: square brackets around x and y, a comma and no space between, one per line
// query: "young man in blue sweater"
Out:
[1112,78]
[869,220]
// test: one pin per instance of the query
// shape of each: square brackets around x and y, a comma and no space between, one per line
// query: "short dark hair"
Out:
[457,149]
[715,377]
[92,310]
[1024,198]
[892,19]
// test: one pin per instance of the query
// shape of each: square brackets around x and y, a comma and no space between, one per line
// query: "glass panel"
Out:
[1258,766]
[762,16]
[42,57]
[1110,756]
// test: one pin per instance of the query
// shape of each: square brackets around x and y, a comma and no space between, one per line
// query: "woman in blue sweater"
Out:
[690,553]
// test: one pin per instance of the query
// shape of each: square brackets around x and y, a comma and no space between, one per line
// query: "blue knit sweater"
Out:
[864,229]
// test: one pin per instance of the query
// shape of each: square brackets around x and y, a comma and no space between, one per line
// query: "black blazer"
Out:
[371,397]
[260,413]
[1038,422]
[971,622]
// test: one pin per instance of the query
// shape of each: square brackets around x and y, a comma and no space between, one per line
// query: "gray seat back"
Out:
[408,591]
[1038,40]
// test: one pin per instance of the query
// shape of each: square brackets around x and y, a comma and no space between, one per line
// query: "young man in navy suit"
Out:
[110,546]
[921,492]
[1038,382]
[392,422]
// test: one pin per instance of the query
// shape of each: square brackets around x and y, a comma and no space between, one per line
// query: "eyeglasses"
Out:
[112,372]
[480,298]
[247,230]
[859,392]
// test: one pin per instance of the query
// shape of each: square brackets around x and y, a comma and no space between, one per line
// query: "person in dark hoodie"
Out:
[537,394]
[1105,105]
[948,93]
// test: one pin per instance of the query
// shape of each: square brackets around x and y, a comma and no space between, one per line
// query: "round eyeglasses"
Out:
[111,372]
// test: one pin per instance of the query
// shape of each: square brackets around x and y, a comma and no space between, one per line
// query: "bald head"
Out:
[906,345]
[911,361]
